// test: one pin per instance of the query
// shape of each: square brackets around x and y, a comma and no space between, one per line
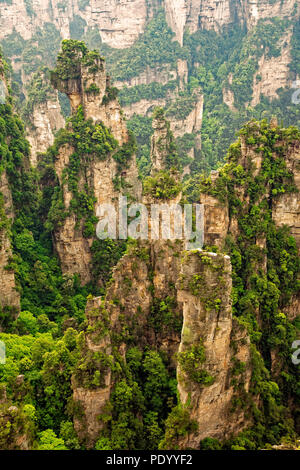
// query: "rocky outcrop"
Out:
[176,12]
[206,318]
[204,384]
[91,401]
[128,309]
[16,427]
[228,95]
[192,124]
[120,22]
[272,73]
[197,287]
[46,120]
[193,15]
[216,221]
[90,88]
[254,10]
[143,107]
[131,307]
[286,208]
[9,296]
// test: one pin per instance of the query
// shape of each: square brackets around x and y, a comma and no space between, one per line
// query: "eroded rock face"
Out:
[160,143]
[119,22]
[214,14]
[273,73]
[91,90]
[216,221]
[228,95]
[207,317]
[73,249]
[286,208]
[9,296]
[204,288]
[128,308]
[255,10]
[192,124]
[46,120]
[91,401]
[17,436]
[96,103]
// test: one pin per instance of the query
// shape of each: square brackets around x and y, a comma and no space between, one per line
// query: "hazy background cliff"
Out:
[212,64]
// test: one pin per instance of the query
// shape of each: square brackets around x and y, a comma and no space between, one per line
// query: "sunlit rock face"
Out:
[9,296]
[120,22]
[73,248]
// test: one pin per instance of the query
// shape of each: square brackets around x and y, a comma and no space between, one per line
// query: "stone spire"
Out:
[163,148]
[81,75]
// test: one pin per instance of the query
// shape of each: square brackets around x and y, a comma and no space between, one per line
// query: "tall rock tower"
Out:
[94,158]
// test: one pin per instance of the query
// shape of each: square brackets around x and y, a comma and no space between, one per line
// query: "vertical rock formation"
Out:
[164,155]
[16,426]
[120,22]
[9,296]
[176,12]
[88,85]
[197,288]
[214,14]
[128,315]
[286,208]
[160,142]
[46,121]
[273,73]
[262,149]
[254,10]
[82,76]
[130,310]
[205,355]
[87,396]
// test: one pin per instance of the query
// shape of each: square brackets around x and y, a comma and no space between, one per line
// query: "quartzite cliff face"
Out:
[212,352]
[9,296]
[121,22]
[46,121]
[99,176]
[198,285]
